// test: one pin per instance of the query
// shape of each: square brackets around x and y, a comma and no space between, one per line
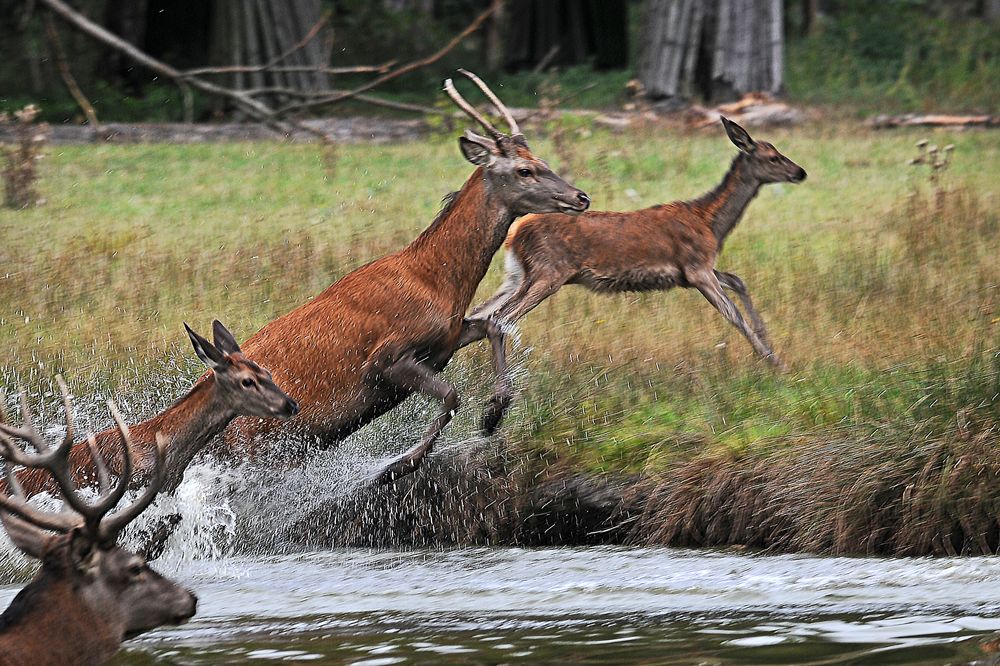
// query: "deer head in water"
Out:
[90,594]
[245,386]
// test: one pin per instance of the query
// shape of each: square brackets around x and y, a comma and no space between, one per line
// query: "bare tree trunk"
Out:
[809,10]
[991,10]
[493,43]
[252,33]
[715,48]
[127,19]
[566,32]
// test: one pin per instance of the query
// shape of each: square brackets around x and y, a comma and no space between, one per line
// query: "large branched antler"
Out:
[93,517]
[449,87]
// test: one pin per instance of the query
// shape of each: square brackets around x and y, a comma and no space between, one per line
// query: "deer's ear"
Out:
[739,136]
[478,149]
[29,539]
[224,340]
[206,351]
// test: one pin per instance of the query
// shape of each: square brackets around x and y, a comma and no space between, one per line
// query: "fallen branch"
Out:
[249,100]
[62,64]
[933,120]
[251,69]
[753,110]
[405,69]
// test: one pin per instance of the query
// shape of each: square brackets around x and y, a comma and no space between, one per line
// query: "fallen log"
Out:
[932,120]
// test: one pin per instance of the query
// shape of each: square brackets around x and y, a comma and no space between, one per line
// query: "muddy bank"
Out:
[462,500]
[929,496]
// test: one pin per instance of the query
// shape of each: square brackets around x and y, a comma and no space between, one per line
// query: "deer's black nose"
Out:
[583,199]
[800,176]
[293,407]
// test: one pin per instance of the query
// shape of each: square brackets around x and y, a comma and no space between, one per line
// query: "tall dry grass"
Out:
[879,287]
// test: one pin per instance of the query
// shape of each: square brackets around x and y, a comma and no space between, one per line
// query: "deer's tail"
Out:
[513,276]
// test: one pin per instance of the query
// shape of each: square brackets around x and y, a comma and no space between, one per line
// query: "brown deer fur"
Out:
[385,330]
[658,248]
[234,386]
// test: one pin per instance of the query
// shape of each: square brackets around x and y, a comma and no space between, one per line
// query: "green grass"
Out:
[893,59]
[885,303]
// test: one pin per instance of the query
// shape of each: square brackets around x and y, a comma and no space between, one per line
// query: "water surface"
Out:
[586,605]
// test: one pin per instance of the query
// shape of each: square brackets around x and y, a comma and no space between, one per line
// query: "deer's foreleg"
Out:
[477,329]
[733,282]
[711,289]
[411,375]
[527,299]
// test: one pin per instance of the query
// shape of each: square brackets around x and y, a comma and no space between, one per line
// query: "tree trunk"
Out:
[991,10]
[127,19]
[493,44]
[810,8]
[566,32]
[718,49]
[252,33]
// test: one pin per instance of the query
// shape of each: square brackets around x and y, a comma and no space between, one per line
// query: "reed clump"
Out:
[889,491]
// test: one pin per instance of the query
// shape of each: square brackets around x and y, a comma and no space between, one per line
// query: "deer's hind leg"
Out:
[733,282]
[512,281]
[528,297]
[709,286]
[410,375]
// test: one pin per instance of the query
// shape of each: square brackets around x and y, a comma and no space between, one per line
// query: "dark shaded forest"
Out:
[896,55]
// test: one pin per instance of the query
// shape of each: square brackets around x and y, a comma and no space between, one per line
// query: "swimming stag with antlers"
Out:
[654,249]
[90,594]
[385,331]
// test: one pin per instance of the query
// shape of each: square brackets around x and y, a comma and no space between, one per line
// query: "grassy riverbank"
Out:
[880,288]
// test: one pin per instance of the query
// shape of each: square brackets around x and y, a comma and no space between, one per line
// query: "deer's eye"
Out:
[248,383]
[524,173]
[136,569]
[775,160]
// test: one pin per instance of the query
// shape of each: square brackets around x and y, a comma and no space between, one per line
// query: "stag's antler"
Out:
[92,517]
[449,88]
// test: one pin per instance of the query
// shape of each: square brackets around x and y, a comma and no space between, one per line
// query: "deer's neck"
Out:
[188,424]
[455,251]
[724,206]
[48,623]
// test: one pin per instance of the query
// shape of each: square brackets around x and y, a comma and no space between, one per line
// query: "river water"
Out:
[599,605]
[595,605]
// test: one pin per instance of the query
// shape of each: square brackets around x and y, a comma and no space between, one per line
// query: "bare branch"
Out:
[405,69]
[249,101]
[249,69]
[310,34]
[67,76]
[367,99]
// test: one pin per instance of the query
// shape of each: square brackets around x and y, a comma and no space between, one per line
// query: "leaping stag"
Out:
[90,594]
[387,329]
[654,249]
